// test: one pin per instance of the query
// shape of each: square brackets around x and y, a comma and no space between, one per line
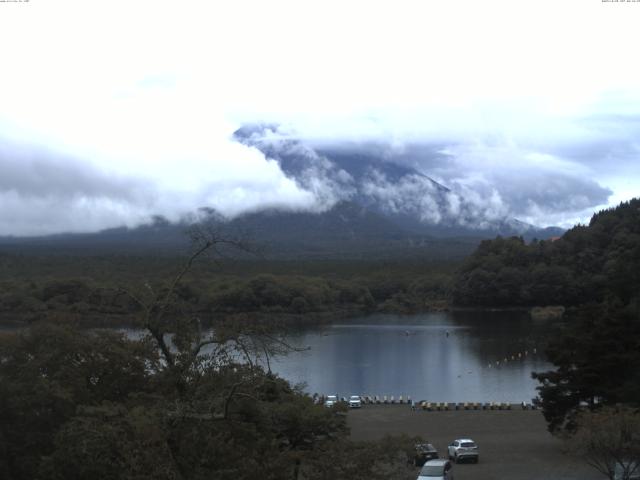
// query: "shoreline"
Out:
[286,319]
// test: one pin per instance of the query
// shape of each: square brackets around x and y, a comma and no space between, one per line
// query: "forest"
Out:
[588,263]
[90,288]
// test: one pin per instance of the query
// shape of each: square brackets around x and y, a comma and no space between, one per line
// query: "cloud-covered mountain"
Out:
[381,180]
[366,198]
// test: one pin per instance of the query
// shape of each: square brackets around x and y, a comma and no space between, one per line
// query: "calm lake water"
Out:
[449,356]
[440,357]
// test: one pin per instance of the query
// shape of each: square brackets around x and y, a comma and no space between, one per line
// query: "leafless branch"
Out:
[284,344]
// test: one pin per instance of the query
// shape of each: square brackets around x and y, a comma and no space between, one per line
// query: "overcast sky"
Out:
[114,111]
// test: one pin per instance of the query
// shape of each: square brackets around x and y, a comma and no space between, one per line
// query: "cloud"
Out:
[534,187]
[479,183]
[485,182]
[313,172]
[37,173]
[412,194]
[48,192]
[383,177]
[113,128]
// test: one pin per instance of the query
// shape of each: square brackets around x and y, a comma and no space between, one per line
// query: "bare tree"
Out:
[180,338]
[609,440]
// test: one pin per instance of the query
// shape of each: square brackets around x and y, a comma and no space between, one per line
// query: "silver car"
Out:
[331,401]
[355,401]
[462,449]
[436,470]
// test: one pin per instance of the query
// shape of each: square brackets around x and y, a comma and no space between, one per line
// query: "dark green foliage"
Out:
[598,363]
[587,264]
[78,405]
[107,442]
[47,372]
[298,290]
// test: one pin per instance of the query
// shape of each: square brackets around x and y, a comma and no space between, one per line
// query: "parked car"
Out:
[436,470]
[331,400]
[355,401]
[424,453]
[462,449]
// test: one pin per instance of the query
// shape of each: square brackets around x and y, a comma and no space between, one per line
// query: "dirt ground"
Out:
[514,444]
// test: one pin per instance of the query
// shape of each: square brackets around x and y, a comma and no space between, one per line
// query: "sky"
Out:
[112,112]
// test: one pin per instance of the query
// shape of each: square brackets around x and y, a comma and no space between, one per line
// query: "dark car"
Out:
[424,453]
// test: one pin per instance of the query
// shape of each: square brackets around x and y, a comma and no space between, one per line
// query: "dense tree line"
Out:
[588,263]
[99,301]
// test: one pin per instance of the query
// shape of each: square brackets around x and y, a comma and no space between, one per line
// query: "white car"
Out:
[355,401]
[331,400]
[436,470]
[464,448]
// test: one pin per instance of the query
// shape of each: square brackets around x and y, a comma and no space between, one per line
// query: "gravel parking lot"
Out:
[514,444]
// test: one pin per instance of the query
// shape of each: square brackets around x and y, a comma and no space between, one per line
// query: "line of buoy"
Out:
[513,358]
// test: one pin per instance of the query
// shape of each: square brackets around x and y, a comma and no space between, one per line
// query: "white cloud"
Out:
[147,94]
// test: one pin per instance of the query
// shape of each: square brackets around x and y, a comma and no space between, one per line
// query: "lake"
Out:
[460,356]
[441,357]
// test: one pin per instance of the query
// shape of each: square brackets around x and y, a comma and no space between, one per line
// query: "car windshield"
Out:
[425,447]
[468,444]
[432,471]
[355,397]
[331,398]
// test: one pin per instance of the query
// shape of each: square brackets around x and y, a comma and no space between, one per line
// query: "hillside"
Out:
[347,231]
[588,263]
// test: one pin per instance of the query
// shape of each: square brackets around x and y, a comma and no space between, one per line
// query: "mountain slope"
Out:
[369,177]
[346,231]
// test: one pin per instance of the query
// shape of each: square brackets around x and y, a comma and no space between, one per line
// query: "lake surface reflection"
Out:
[451,356]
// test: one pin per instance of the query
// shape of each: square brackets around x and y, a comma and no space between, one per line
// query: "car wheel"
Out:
[455,458]
[477,459]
